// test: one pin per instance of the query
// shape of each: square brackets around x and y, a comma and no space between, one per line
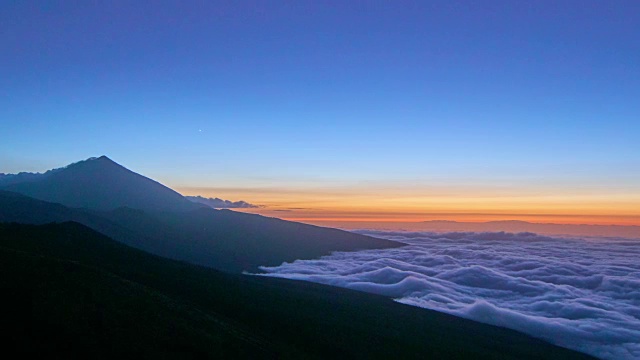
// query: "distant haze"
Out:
[627,231]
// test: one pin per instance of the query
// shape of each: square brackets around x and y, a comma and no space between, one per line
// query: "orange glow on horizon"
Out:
[577,220]
[344,217]
[414,205]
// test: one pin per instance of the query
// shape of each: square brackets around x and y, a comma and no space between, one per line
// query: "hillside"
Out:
[77,292]
[221,239]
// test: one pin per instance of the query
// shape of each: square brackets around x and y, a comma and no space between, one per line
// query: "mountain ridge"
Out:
[632,231]
[98,193]
[99,183]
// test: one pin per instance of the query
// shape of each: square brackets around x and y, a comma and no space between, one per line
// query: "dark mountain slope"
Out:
[101,184]
[70,290]
[22,209]
[221,239]
[236,242]
[62,309]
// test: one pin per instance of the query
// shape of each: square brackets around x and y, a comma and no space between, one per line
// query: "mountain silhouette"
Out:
[101,184]
[144,214]
[72,290]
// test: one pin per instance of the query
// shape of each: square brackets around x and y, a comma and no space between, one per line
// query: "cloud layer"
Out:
[220,203]
[583,294]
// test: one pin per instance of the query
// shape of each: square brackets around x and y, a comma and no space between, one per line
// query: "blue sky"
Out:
[226,93]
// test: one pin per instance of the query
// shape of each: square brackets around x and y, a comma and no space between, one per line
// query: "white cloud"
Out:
[583,294]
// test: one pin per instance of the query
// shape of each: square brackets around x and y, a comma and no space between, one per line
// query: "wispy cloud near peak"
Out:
[221,204]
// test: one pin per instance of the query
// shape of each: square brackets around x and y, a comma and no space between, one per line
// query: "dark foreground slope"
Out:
[64,309]
[71,291]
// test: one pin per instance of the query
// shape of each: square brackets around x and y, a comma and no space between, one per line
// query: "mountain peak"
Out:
[99,159]
[92,163]
[99,183]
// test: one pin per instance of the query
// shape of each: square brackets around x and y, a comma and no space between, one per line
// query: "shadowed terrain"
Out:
[76,292]
[221,239]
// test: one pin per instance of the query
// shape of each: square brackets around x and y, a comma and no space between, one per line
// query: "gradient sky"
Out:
[382,110]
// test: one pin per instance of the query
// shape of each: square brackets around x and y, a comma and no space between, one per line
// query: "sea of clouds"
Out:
[582,294]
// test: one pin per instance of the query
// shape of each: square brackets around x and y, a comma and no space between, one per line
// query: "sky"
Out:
[338,110]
